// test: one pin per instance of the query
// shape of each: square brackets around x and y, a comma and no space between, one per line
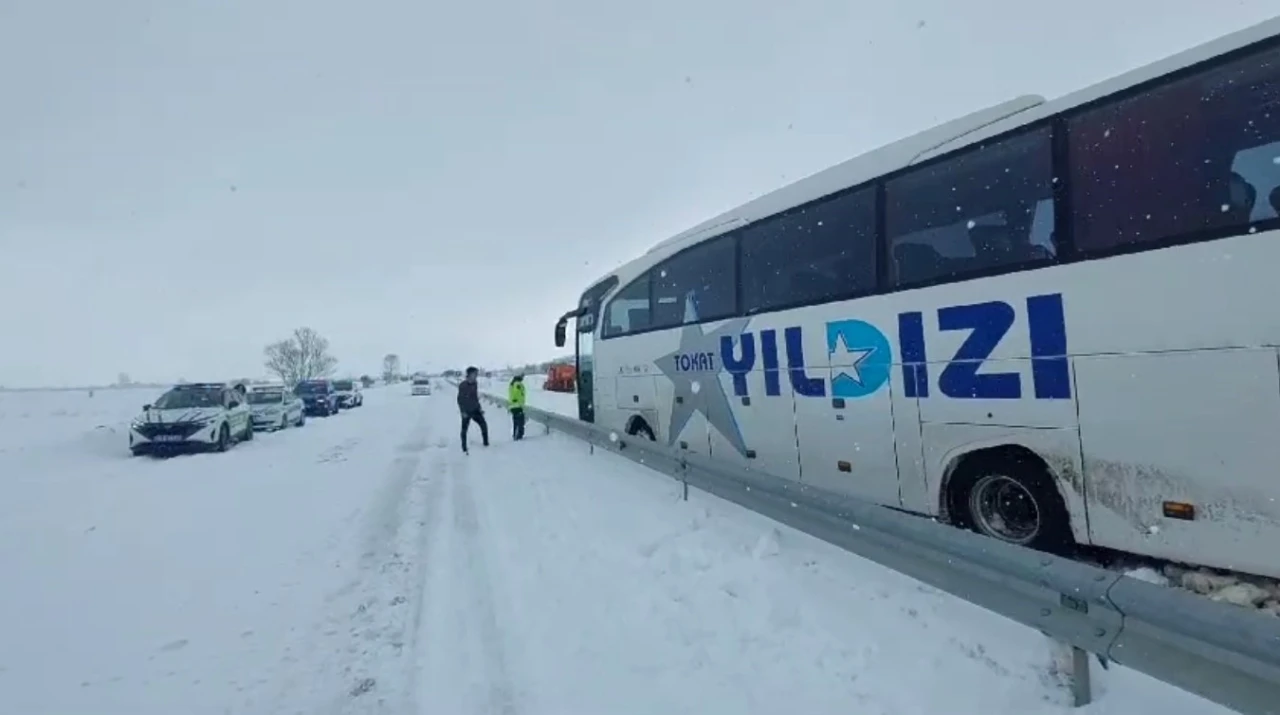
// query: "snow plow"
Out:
[560,378]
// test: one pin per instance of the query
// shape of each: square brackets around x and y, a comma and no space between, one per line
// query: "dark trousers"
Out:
[478,417]
[517,423]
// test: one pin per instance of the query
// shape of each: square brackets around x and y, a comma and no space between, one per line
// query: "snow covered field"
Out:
[362,564]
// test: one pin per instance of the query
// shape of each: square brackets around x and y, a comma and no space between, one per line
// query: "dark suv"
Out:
[318,397]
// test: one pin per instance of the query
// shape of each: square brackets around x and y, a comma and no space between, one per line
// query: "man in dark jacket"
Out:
[469,406]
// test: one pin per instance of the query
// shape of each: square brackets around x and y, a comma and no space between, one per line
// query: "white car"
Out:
[421,386]
[349,393]
[275,408]
[192,417]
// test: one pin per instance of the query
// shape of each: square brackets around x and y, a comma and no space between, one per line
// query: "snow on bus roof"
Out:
[934,142]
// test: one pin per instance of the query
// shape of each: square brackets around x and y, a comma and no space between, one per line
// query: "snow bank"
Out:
[70,421]
[694,606]
[1236,589]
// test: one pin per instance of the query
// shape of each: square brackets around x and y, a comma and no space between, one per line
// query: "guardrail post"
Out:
[1081,678]
[1073,662]
[684,477]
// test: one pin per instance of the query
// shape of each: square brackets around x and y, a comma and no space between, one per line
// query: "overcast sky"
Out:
[184,181]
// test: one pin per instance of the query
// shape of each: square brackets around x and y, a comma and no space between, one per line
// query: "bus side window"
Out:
[696,285]
[626,306]
[823,251]
[972,212]
[1188,157]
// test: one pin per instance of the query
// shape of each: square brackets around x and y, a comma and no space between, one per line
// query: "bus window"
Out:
[973,212]
[823,252]
[629,309]
[1198,154]
[696,285]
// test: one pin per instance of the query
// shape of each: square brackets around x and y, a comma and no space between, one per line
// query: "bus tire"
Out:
[1008,493]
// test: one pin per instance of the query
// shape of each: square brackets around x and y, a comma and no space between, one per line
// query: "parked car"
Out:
[318,397]
[349,393]
[275,408]
[421,386]
[195,416]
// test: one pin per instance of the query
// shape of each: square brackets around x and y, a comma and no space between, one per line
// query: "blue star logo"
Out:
[860,358]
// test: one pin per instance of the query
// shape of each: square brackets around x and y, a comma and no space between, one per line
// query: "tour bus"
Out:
[1051,322]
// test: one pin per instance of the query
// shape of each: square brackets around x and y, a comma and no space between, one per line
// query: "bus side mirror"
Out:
[563,321]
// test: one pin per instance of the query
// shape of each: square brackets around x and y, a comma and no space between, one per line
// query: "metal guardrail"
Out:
[1221,652]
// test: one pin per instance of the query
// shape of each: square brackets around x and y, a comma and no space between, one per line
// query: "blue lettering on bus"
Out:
[861,356]
[695,362]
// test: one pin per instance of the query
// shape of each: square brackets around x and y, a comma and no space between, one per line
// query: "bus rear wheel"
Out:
[1009,495]
[640,428]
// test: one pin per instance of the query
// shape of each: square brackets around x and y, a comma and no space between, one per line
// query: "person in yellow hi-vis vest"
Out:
[516,401]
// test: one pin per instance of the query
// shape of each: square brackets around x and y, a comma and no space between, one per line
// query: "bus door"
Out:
[913,476]
[586,371]
[586,323]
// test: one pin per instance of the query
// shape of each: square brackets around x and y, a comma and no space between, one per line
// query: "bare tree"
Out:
[390,367]
[302,356]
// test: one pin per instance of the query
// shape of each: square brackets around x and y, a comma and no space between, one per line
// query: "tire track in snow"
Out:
[347,663]
[430,511]
[465,666]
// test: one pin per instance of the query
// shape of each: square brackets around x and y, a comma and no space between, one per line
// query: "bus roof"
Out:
[935,142]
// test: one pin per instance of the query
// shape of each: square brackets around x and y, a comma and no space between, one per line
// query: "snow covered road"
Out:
[362,564]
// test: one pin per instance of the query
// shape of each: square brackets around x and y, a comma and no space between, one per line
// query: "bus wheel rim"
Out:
[1003,507]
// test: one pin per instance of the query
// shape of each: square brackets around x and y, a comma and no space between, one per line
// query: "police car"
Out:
[197,416]
[274,408]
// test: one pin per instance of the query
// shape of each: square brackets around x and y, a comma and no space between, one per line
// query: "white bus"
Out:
[1050,322]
